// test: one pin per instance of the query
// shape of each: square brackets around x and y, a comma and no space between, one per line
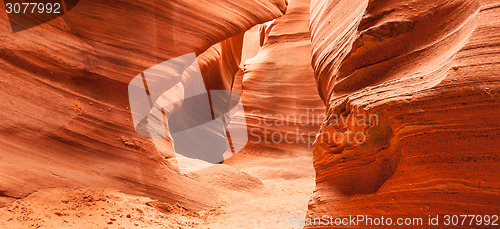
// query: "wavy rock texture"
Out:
[410,88]
[274,100]
[65,120]
[283,112]
[419,80]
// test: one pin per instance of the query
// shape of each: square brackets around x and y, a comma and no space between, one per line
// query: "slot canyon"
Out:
[373,108]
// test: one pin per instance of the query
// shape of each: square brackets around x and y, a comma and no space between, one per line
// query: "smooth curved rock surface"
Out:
[283,110]
[65,120]
[419,81]
[411,125]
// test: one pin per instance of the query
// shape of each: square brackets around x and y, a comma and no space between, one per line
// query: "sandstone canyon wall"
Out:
[282,107]
[419,80]
[410,126]
[65,120]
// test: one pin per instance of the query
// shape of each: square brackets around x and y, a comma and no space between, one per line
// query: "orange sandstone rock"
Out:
[432,130]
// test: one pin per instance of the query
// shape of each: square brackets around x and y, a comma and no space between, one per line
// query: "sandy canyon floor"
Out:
[70,155]
[287,186]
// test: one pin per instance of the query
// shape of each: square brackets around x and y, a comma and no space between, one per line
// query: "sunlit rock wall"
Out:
[411,89]
[65,119]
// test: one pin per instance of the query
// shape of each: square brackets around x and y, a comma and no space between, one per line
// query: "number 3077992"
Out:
[33,8]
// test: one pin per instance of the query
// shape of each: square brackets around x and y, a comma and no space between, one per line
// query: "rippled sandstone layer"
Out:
[419,81]
[65,120]
[411,90]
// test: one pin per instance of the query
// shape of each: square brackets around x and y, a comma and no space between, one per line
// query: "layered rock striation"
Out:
[411,89]
[65,119]
[282,107]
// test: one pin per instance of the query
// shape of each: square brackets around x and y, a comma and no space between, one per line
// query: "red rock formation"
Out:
[65,119]
[283,110]
[410,88]
[418,80]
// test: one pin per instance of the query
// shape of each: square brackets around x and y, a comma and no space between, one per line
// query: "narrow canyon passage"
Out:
[110,116]
[283,113]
